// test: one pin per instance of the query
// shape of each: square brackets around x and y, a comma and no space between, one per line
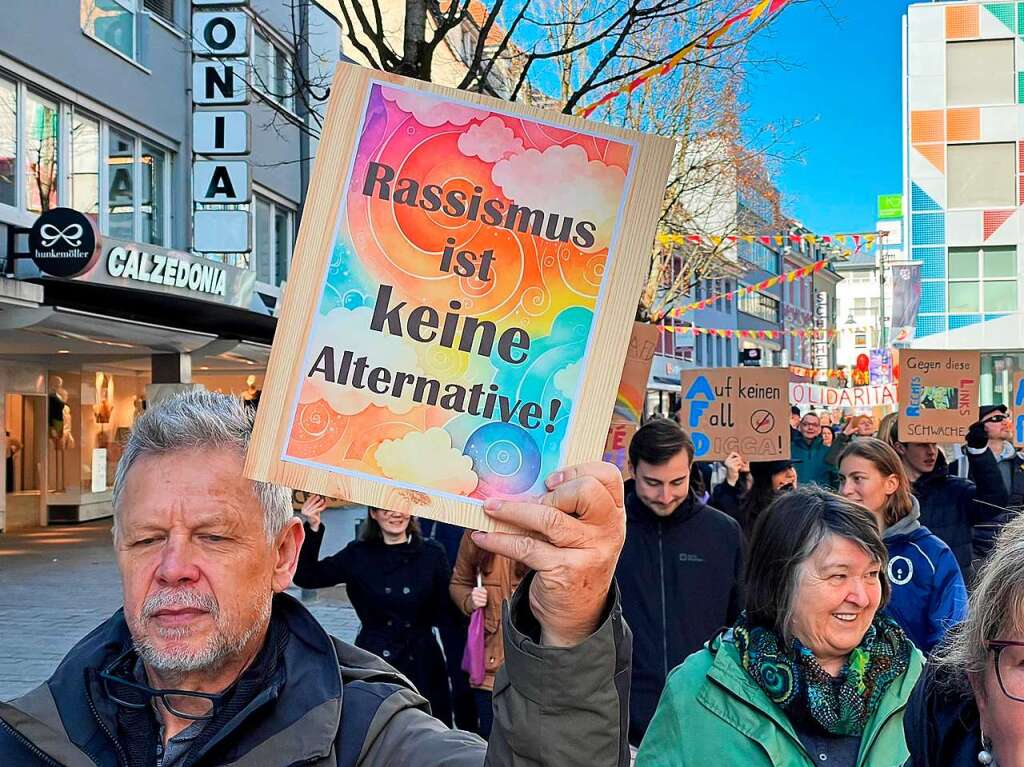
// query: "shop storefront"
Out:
[82,355]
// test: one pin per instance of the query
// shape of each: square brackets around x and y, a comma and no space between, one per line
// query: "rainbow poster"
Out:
[466,300]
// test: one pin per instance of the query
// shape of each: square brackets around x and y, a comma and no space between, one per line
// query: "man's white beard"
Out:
[178,662]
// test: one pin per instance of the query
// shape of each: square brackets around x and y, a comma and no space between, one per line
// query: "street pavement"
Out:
[58,583]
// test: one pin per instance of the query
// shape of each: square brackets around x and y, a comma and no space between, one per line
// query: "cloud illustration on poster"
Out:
[380,350]
[491,141]
[428,110]
[447,469]
[537,180]
[565,380]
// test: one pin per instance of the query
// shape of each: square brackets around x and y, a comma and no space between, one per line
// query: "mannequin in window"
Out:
[251,393]
[60,426]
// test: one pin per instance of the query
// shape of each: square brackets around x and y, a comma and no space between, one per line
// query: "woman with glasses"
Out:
[398,584]
[969,707]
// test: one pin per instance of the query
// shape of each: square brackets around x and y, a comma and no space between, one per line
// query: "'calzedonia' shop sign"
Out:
[166,269]
[126,264]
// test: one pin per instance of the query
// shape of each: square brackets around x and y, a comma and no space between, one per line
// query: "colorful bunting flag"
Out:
[707,40]
[762,334]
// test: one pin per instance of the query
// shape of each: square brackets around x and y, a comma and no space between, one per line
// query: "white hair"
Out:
[200,420]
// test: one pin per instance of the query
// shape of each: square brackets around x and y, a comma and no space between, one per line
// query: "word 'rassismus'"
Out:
[381,182]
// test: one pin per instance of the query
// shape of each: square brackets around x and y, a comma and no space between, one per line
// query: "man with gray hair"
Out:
[210,663]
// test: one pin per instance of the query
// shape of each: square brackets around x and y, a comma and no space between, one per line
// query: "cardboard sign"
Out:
[465,278]
[616,446]
[831,396]
[745,410]
[937,395]
[632,394]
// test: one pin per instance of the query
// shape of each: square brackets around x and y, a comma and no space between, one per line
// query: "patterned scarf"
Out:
[792,678]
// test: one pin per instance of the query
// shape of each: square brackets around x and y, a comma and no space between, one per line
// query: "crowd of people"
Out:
[861,603]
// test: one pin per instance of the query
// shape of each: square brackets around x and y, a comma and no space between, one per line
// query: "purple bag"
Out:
[473,662]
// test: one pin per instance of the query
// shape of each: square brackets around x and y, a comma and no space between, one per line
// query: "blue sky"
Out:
[841,80]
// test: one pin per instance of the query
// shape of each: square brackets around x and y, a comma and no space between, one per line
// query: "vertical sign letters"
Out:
[938,395]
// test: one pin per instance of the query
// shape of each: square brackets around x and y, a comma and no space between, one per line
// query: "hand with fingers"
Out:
[312,508]
[571,537]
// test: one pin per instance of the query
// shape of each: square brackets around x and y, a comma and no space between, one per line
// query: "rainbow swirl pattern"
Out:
[549,288]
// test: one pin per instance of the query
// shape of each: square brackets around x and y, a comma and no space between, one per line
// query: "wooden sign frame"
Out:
[624,269]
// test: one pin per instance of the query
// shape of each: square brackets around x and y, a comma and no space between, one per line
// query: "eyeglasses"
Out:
[996,419]
[1009,663]
[184,704]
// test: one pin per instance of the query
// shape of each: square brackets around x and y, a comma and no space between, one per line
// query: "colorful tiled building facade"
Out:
[964,172]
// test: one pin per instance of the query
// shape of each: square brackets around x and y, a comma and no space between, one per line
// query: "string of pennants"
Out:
[814,373]
[707,40]
[797,274]
[859,241]
[764,334]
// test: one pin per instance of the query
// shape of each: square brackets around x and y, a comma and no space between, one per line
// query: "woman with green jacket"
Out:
[812,673]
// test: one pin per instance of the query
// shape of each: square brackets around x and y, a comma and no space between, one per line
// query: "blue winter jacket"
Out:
[928,592]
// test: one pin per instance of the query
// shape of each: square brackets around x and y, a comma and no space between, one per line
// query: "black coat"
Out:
[681,581]
[941,723]
[400,593]
[950,508]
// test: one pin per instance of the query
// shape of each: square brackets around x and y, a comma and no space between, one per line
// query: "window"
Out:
[8,142]
[272,240]
[162,8]
[85,166]
[981,175]
[53,154]
[41,131]
[111,22]
[979,72]
[152,201]
[760,305]
[272,71]
[120,185]
[982,280]
[759,255]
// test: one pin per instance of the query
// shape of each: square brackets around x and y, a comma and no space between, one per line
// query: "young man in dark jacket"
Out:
[208,663]
[680,572]
[951,506]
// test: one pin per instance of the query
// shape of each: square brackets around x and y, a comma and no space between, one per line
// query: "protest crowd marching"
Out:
[857,603]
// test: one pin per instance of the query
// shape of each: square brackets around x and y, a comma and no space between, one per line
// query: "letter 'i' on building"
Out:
[220,135]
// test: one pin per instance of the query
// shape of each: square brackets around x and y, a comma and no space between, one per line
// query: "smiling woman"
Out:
[811,666]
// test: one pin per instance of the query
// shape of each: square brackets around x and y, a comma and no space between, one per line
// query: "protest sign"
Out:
[1017,408]
[937,395]
[461,295]
[632,394]
[813,395]
[616,446]
[737,409]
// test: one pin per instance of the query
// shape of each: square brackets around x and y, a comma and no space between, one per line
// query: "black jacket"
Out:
[949,506]
[941,723]
[400,593]
[681,581]
[333,705]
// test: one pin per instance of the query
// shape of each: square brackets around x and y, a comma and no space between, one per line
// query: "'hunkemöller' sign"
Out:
[461,299]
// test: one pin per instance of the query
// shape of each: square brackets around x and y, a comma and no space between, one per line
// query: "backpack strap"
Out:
[361,704]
